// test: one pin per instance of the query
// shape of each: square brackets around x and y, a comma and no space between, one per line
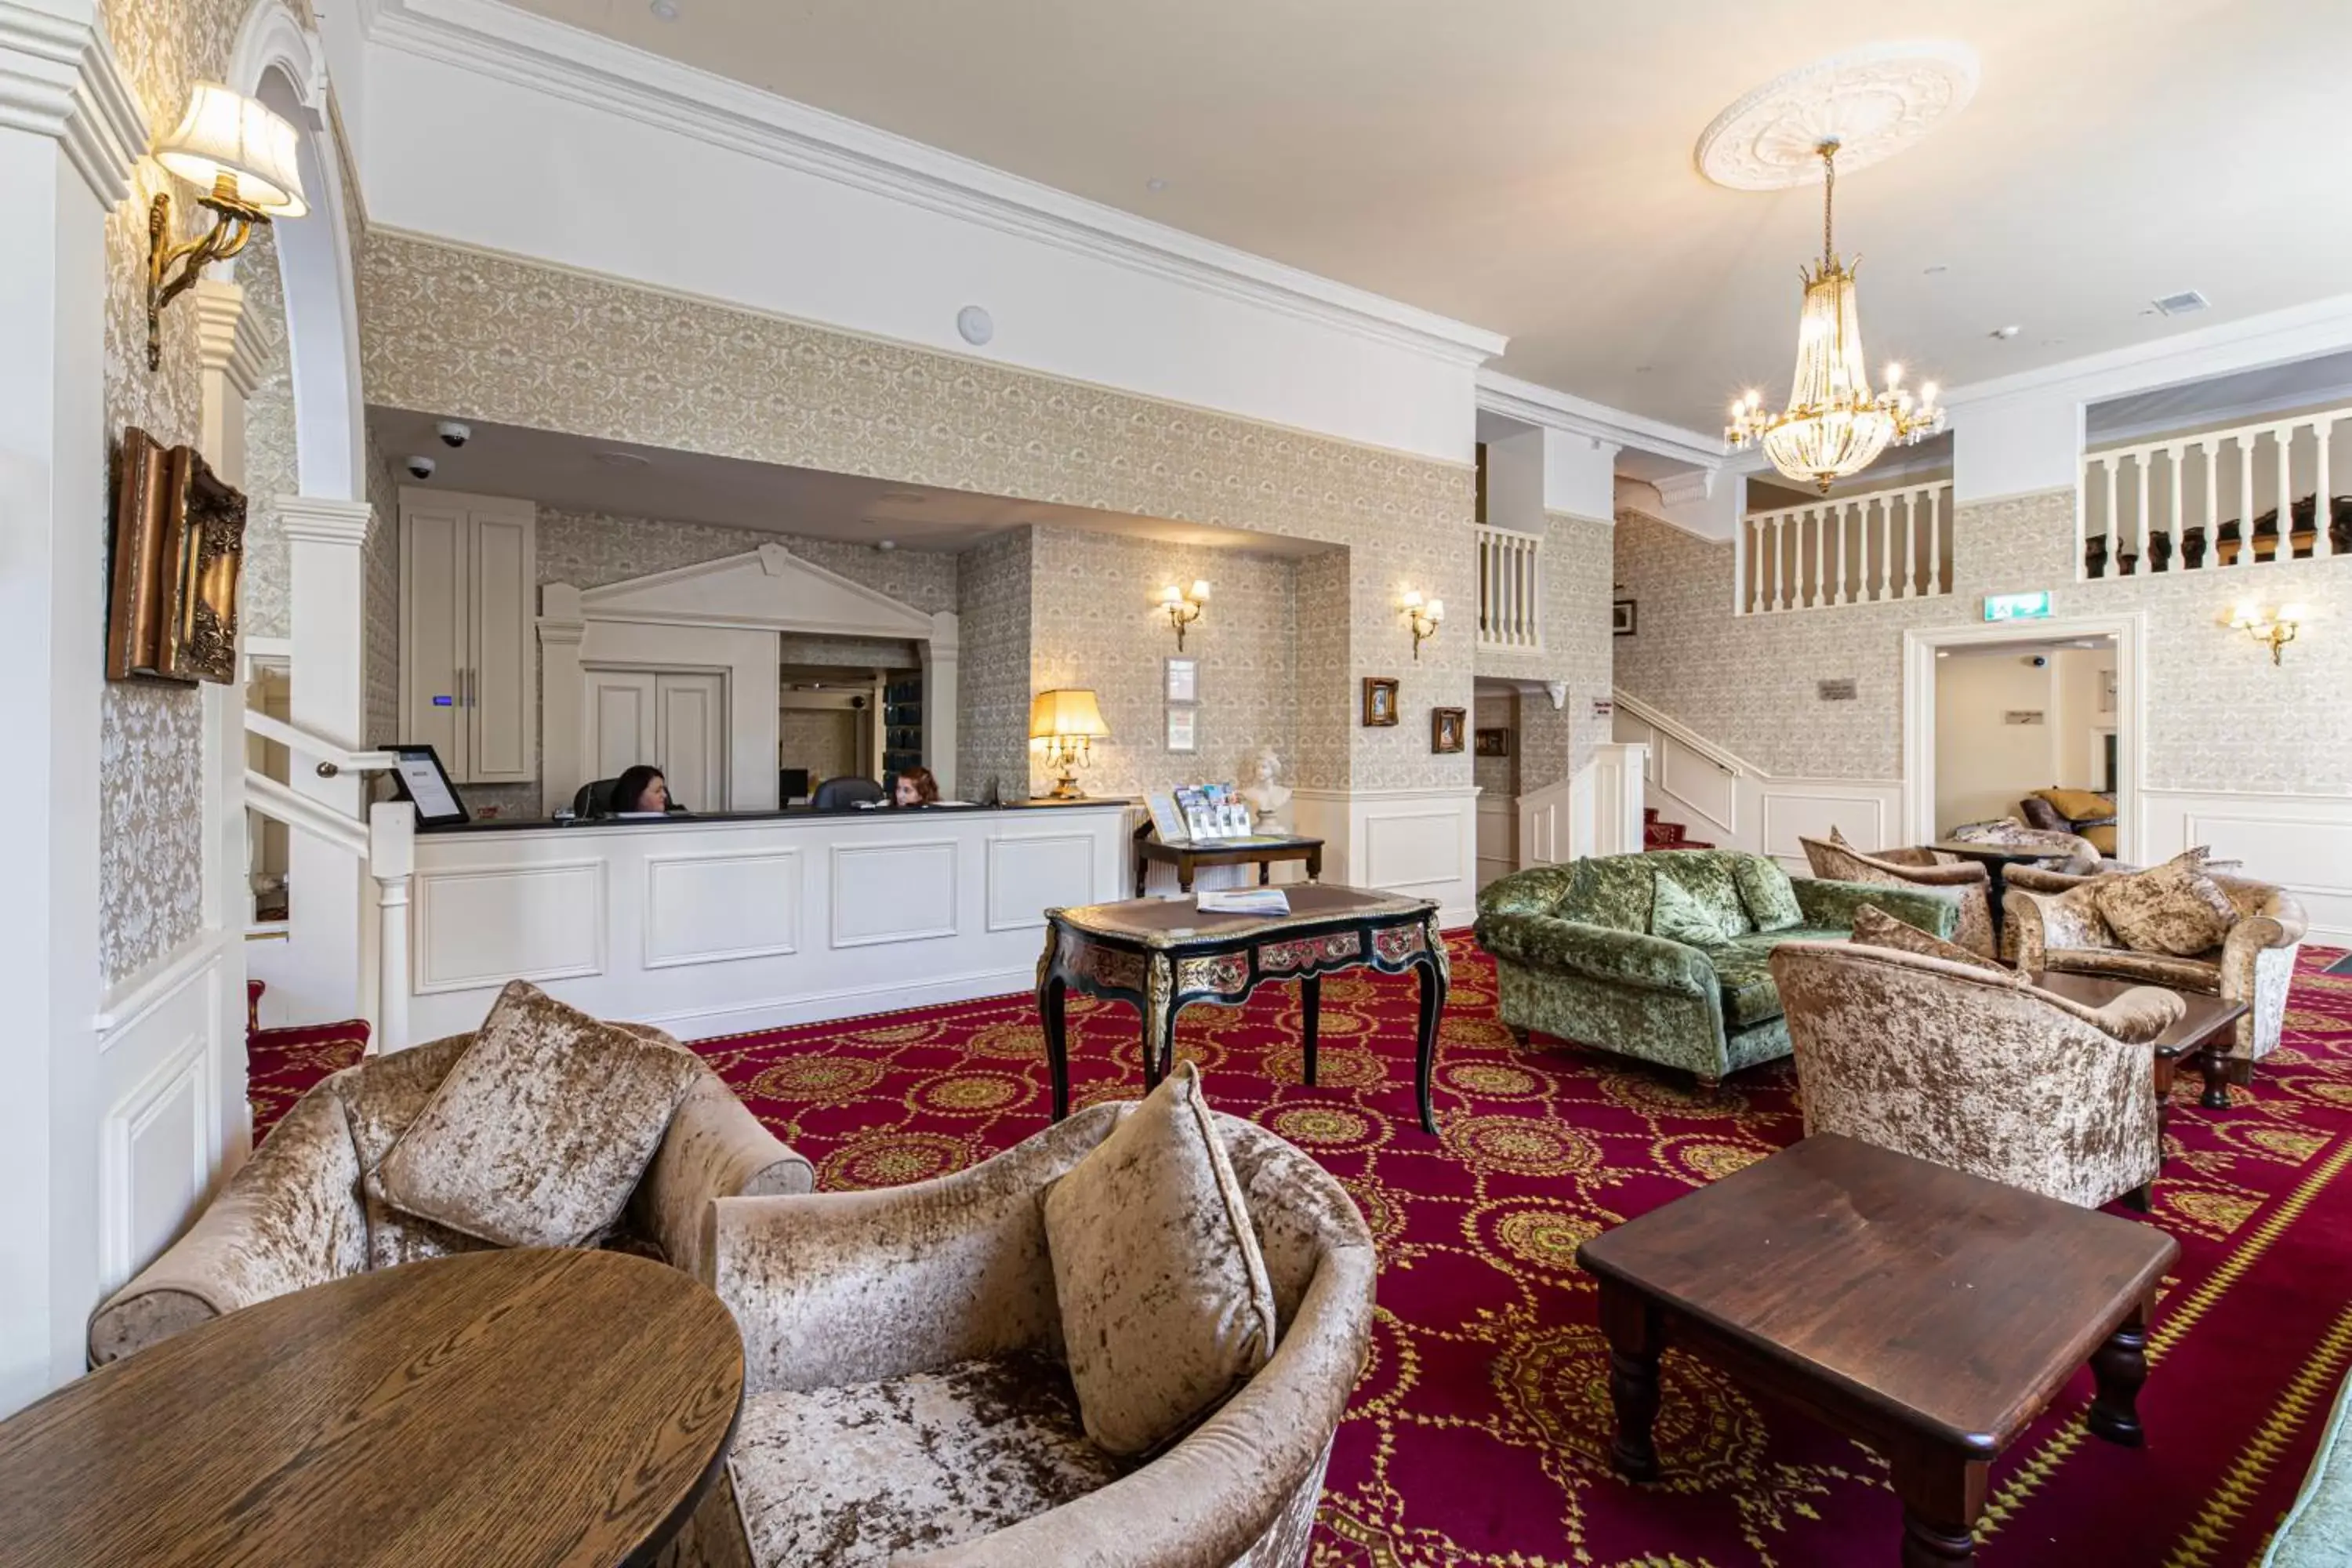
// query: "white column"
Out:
[562,720]
[69,133]
[328,920]
[941,658]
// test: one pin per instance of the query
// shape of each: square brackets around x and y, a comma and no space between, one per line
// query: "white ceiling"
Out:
[576,474]
[1527,164]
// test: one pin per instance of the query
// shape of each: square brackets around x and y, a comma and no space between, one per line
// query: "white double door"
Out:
[674,720]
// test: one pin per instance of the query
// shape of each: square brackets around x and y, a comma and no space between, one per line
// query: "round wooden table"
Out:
[516,1408]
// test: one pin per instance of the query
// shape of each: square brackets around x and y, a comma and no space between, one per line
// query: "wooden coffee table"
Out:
[516,1408]
[1924,1312]
[1259,849]
[1164,953]
[2202,1034]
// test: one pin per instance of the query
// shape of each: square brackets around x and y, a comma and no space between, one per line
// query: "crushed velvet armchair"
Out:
[1970,1067]
[1965,882]
[905,1397]
[2067,851]
[1577,954]
[2254,965]
[297,1215]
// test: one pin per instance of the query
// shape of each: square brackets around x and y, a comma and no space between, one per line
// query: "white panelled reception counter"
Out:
[712,925]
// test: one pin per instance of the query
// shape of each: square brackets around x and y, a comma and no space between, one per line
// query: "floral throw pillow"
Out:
[2174,909]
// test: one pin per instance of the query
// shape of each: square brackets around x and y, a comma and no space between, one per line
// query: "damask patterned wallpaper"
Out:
[269,466]
[470,334]
[1579,560]
[381,569]
[993,714]
[1093,624]
[2221,716]
[151,820]
[825,743]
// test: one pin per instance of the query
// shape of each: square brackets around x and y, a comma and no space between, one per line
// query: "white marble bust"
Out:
[1267,798]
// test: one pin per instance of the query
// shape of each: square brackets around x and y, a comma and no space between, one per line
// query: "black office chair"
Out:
[594,799]
[834,794]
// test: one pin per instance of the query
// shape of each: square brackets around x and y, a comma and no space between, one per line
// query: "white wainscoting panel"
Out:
[1498,833]
[488,924]
[1808,808]
[1404,850]
[720,906]
[2302,842]
[1700,783]
[1029,873]
[157,1153]
[1422,842]
[885,892]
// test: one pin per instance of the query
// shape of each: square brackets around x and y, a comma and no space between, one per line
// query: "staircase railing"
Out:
[1846,549]
[1510,590]
[384,846]
[2159,506]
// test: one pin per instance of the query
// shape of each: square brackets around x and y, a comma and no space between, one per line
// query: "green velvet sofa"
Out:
[1594,952]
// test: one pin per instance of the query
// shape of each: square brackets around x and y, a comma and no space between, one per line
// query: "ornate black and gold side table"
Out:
[1163,953]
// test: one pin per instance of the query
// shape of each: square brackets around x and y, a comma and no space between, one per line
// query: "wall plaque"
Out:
[1836,690]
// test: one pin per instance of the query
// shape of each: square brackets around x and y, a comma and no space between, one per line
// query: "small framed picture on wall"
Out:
[1492,743]
[1183,681]
[1446,726]
[1379,700]
[1624,618]
[1183,729]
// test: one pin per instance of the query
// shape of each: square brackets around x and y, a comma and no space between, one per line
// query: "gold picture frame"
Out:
[1448,727]
[179,553]
[1380,702]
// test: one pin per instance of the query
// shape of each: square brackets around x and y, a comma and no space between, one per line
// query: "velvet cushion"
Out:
[2175,907]
[1770,897]
[2078,804]
[1709,875]
[540,1130]
[1165,1304]
[1873,926]
[1678,917]
[1611,891]
[2102,836]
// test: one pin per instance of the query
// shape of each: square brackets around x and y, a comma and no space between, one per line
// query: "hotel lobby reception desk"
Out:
[718,924]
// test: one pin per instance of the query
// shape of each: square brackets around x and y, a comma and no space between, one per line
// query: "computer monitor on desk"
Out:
[792,785]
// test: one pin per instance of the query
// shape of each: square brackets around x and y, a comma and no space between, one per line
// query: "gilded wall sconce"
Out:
[2273,630]
[243,157]
[1423,618]
[1184,606]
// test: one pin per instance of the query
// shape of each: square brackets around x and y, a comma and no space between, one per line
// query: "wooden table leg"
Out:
[1636,1338]
[1315,864]
[1432,1007]
[1943,1492]
[2167,1069]
[2215,1059]
[1183,873]
[1264,872]
[2119,1368]
[1159,1022]
[1050,998]
[1310,1008]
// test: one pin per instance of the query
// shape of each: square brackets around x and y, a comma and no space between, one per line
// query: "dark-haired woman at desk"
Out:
[642,791]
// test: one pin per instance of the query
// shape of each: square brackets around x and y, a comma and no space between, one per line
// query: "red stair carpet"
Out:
[1656,835]
[1479,1433]
[280,1064]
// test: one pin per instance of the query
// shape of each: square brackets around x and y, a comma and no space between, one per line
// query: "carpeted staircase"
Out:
[279,1064]
[1656,835]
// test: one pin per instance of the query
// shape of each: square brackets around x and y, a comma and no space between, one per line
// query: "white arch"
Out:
[279,62]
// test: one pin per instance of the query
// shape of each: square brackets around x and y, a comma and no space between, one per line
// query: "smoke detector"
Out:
[2186,303]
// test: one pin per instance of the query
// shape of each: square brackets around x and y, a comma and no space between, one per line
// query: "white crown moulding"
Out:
[1555,410]
[60,77]
[565,62]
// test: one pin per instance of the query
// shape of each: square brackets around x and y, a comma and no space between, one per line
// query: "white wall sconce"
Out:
[243,158]
[2275,630]
[1423,618]
[1184,606]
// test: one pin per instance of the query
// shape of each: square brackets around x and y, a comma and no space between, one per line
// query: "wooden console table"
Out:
[1163,954]
[1261,850]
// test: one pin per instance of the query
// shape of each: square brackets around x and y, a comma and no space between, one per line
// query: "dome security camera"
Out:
[420,467]
[2040,661]
[454,432]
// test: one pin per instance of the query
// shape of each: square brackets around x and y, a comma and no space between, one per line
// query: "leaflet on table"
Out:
[1211,812]
[1241,901]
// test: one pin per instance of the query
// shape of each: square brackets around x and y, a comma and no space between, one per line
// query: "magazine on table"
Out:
[1241,901]
[1211,812]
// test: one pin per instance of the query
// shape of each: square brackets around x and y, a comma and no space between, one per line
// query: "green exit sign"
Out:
[2017,606]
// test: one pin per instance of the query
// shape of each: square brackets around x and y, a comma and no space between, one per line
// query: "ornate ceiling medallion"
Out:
[1872,103]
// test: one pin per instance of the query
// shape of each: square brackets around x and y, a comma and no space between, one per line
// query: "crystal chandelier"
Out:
[1834,427]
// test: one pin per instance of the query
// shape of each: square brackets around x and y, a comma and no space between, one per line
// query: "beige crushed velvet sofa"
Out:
[906,1399]
[1969,1068]
[296,1214]
[2062,930]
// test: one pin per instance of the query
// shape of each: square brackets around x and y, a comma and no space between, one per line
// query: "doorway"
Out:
[1993,713]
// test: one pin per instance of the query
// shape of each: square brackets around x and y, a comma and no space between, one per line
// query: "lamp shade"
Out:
[227,134]
[1070,710]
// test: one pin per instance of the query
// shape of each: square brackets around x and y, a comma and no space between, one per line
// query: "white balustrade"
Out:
[2159,506]
[1848,550]
[1510,590]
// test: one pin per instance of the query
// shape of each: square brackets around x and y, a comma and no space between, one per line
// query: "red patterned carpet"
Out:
[1479,1432]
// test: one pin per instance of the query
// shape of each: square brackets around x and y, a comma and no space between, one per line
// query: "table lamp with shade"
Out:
[1068,721]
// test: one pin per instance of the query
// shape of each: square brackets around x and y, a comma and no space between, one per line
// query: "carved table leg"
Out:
[2167,1069]
[1943,1492]
[1635,1338]
[2215,1060]
[1310,1008]
[1436,979]
[1159,1022]
[1050,992]
[2119,1367]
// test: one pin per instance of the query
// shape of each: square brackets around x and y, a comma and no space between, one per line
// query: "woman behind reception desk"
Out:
[915,787]
[641,791]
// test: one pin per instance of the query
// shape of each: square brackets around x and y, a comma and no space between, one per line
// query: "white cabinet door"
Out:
[500,689]
[692,744]
[622,726]
[433,569]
